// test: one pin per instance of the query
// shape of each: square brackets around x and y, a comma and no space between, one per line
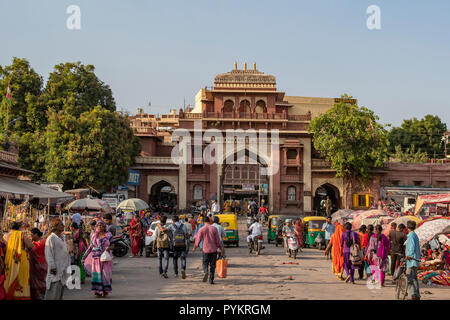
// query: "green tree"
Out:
[75,88]
[96,148]
[425,134]
[352,140]
[26,86]
[410,155]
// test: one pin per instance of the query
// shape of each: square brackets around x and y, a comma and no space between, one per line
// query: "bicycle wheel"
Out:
[402,286]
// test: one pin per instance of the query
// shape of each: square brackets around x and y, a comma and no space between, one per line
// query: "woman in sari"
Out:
[79,248]
[349,238]
[101,271]
[17,272]
[336,251]
[2,266]
[38,266]
[377,254]
[135,235]
[299,229]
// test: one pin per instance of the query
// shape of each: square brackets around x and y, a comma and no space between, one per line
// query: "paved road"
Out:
[249,277]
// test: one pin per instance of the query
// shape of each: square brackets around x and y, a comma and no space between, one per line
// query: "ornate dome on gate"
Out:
[245,79]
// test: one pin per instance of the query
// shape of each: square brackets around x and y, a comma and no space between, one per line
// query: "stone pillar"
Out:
[182,186]
[307,180]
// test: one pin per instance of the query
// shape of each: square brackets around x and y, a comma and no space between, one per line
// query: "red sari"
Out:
[38,270]
[135,235]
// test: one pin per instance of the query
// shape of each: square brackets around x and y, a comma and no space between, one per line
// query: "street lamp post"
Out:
[7,145]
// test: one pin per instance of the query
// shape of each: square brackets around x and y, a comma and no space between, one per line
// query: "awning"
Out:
[431,199]
[19,189]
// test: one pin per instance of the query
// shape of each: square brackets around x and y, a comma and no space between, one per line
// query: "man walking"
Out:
[58,260]
[215,208]
[329,230]
[220,230]
[211,242]
[162,244]
[412,260]
[180,238]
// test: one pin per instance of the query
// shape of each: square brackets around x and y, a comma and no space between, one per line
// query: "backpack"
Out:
[179,237]
[163,240]
[356,256]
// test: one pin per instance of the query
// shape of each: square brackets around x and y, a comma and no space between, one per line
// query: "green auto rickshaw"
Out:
[272,228]
[312,229]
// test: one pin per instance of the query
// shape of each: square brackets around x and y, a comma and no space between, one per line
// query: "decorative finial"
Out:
[235,65]
[254,66]
[245,65]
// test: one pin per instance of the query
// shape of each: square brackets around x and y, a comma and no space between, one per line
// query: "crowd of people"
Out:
[36,267]
[367,251]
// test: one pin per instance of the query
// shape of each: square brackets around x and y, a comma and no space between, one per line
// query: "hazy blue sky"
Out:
[164,50]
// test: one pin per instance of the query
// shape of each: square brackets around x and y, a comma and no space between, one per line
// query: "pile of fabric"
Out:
[440,277]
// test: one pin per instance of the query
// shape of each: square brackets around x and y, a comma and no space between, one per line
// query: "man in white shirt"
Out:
[215,208]
[255,229]
[58,260]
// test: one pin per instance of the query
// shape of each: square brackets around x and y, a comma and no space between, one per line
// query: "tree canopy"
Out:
[69,131]
[424,134]
[351,139]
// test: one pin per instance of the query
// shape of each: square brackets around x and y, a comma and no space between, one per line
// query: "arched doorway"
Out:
[243,180]
[163,197]
[320,196]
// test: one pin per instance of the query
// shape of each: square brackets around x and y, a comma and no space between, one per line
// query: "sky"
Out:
[164,51]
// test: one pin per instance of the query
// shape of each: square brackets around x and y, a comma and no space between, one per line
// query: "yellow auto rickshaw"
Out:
[312,228]
[230,225]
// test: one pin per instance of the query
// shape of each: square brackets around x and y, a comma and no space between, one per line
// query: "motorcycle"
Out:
[121,244]
[256,245]
[291,243]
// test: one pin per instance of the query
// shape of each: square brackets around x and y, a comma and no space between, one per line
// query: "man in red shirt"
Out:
[211,242]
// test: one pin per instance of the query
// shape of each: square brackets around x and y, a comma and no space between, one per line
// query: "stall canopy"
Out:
[431,199]
[18,189]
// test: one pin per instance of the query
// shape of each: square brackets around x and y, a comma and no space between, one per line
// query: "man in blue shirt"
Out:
[329,230]
[412,254]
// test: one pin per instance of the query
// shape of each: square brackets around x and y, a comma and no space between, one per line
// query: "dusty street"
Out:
[249,277]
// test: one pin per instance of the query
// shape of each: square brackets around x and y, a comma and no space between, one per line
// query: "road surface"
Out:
[266,277]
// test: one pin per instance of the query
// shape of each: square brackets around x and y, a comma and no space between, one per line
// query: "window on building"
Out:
[395,182]
[244,173]
[228,106]
[198,192]
[252,173]
[417,183]
[244,106]
[291,193]
[441,184]
[291,154]
[362,200]
[260,107]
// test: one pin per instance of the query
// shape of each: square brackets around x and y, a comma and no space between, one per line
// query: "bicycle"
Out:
[402,286]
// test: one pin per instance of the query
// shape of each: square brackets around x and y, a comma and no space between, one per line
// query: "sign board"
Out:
[248,187]
[133,178]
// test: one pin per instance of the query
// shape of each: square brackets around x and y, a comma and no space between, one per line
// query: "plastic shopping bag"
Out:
[105,256]
[221,267]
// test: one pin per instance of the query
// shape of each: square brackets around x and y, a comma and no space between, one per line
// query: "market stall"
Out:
[437,204]
[28,202]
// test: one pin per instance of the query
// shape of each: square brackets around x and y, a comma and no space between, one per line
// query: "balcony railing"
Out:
[319,163]
[245,116]
[8,157]
[154,160]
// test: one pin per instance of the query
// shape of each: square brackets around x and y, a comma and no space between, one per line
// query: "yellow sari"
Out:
[17,276]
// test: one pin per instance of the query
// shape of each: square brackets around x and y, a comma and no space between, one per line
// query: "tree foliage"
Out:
[410,155]
[424,134]
[69,131]
[26,86]
[351,139]
[96,148]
